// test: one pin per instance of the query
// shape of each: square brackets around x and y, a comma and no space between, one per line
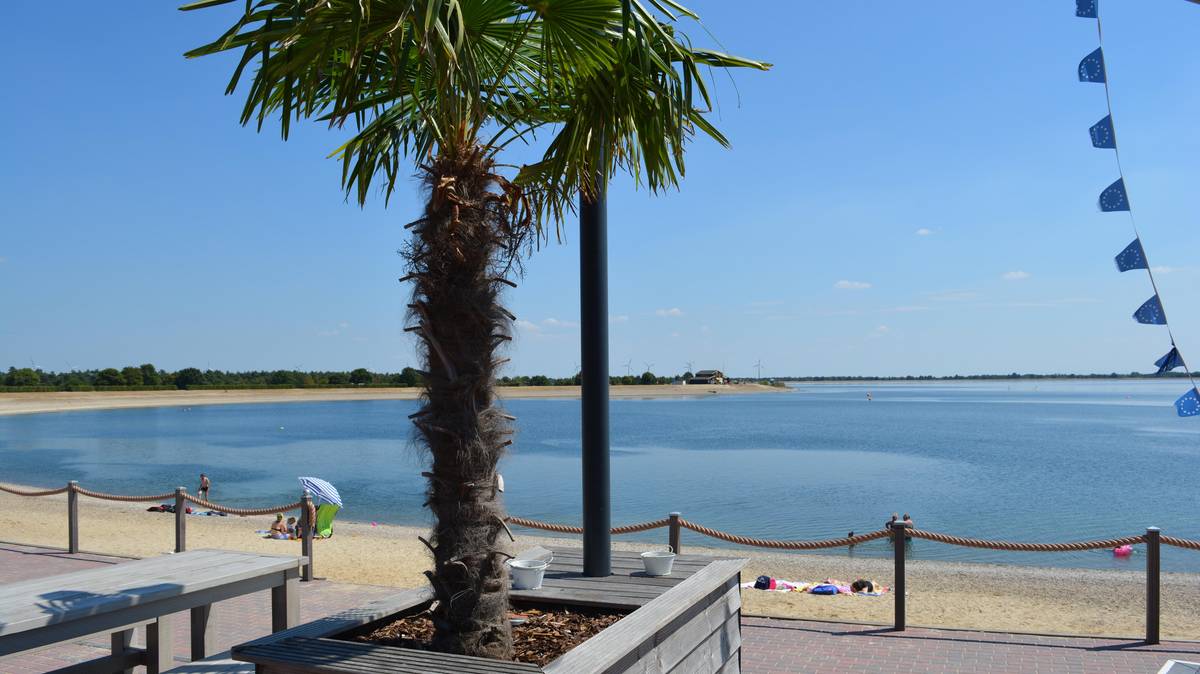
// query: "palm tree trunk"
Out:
[461,249]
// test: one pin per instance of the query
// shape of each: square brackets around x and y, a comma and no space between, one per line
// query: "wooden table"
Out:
[118,598]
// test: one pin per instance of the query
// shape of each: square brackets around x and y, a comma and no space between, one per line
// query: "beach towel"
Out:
[325,514]
[824,588]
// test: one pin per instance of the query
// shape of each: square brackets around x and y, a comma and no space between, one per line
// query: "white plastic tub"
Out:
[658,562]
[527,573]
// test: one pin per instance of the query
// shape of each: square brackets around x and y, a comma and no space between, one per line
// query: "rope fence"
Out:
[181,498]
[899,532]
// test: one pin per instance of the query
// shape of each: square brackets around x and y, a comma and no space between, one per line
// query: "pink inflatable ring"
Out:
[1123,551]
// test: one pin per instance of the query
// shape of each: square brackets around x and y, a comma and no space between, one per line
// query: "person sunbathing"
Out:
[279,529]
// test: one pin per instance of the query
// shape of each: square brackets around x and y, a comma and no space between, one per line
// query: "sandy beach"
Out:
[65,401]
[978,596]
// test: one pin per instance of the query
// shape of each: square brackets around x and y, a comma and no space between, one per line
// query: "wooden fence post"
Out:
[73,517]
[898,531]
[1152,584]
[180,520]
[307,524]
[673,536]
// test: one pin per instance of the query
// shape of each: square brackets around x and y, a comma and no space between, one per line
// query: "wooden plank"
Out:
[122,648]
[350,618]
[217,664]
[611,647]
[677,645]
[160,645]
[70,589]
[106,665]
[26,606]
[301,654]
[598,599]
[108,621]
[711,654]
[201,631]
[285,602]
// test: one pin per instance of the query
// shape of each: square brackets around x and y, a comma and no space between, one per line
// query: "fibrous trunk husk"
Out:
[468,240]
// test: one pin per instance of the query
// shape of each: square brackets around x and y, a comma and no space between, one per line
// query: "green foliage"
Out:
[109,377]
[23,377]
[189,377]
[132,376]
[649,378]
[151,375]
[361,376]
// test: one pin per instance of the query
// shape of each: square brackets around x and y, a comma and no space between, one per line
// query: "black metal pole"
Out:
[1153,584]
[593,319]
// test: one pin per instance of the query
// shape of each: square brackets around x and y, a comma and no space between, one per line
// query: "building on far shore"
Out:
[708,377]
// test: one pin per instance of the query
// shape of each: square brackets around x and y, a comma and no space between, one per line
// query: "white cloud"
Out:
[1015,275]
[618,319]
[1157,270]
[555,323]
[673,312]
[851,285]
[675,335]
[924,231]
[529,325]
[880,331]
[905,309]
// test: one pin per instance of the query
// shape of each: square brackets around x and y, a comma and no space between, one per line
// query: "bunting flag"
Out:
[1133,257]
[1169,362]
[1102,134]
[1151,312]
[1091,68]
[1114,198]
[1188,404]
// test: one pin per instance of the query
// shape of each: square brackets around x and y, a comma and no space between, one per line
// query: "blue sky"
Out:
[911,190]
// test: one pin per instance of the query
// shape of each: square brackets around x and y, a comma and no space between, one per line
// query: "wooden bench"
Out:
[119,598]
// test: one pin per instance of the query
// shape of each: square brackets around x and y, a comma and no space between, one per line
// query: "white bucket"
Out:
[527,573]
[658,562]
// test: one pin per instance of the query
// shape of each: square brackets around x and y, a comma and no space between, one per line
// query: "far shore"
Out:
[940,594]
[66,401]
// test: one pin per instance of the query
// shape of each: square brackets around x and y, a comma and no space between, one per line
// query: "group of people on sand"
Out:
[291,529]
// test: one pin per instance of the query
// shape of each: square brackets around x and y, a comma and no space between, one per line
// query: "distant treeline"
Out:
[976,377]
[147,377]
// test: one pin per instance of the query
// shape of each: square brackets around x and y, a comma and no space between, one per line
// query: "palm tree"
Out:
[449,84]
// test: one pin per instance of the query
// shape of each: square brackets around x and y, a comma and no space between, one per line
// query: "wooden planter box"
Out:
[688,623]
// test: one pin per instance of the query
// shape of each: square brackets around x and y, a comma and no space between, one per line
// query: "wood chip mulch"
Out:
[539,640]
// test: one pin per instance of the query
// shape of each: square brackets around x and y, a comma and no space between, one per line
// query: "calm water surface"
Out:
[1026,461]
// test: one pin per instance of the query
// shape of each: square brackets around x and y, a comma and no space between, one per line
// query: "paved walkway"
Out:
[769,646]
[785,646]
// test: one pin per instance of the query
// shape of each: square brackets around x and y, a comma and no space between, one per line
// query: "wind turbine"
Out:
[628,365]
[689,366]
[759,366]
[648,365]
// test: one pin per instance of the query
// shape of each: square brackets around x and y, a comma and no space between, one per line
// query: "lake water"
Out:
[1045,461]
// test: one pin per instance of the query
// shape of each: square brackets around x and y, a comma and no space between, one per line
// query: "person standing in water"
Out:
[205,483]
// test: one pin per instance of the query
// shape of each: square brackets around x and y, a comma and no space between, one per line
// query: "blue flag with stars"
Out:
[1085,8]
[1133,257]
[1103,136]
[1170,361]
[1091,68]
[1188,404]
[1114,198]
[1151,312]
